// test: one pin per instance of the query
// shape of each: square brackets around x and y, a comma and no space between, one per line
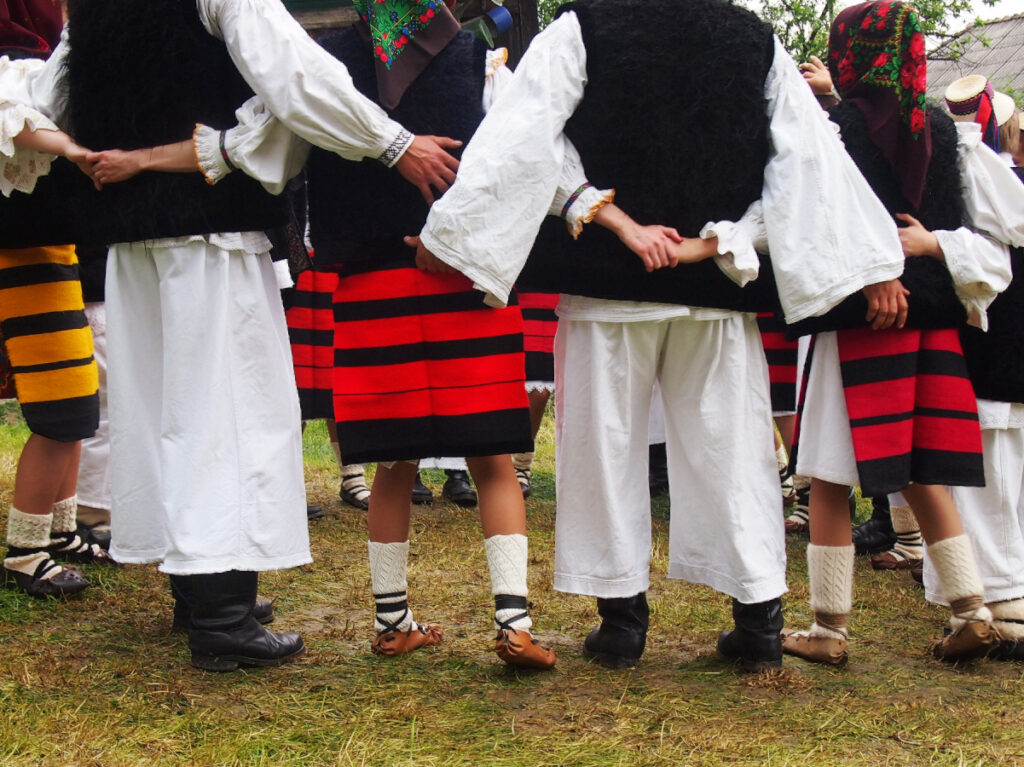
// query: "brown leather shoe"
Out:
[894,559]
[517,647]
[795,525]
[391,643]
[815,649]
[971,640]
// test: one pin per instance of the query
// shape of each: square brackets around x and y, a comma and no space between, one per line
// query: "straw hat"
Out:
[963,97]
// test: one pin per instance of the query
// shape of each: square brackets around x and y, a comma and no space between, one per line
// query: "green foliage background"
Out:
[803,25]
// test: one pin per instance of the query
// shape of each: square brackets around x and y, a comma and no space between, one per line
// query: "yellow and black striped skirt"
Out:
[48,340]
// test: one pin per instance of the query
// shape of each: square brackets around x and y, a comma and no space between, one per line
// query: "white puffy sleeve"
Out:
[828,233]
[260,145]
[977,255]
[485,225]
[739,243]
[575,200]
[993,195]
[29,98]
[305,87]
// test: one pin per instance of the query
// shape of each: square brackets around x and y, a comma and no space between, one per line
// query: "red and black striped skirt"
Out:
[782,360]
[913,413]
[539,325]
[423,368]
[310,316]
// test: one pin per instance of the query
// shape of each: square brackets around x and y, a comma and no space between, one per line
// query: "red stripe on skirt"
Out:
[445,326]
[426,403]
[406,376]
[399,283]
[936,440]
[313,362]
[480,386]
[532,300]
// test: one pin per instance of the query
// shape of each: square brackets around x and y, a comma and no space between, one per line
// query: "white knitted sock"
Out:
[908,532]
[831,574]
[507,561]
[958,577]
[1008,617]
[522,461]
[65,515]
[353,480]
[388,563]
[29,531]
[781,459]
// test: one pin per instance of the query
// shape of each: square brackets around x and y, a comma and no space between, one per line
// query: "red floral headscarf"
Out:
[877,61]
[29,27]
[405,36]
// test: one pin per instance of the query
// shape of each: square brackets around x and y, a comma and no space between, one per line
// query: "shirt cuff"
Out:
[582,206]
[736,255]
[396,148]
[207,148]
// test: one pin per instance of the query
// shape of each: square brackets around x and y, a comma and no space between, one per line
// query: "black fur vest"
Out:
[932,300]
[994,359]
[673,117]
[359,212]
[142,74]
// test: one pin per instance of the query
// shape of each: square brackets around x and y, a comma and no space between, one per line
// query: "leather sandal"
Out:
[894,559]
[814,648]
[972,639]
[392,641]
[523,476]
[64,584]
[517,647]
[796,523]
[69,547]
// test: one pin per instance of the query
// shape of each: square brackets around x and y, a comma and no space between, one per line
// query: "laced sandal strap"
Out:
[390,626]
[799,515]
[71,542]
[832,622]
[966,609]
[402,605]
[510,602]
[46,566]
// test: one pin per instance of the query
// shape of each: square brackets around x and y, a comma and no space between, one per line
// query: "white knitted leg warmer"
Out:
[908,532]
[958,577]
[1008,617]
[831,573]
[388,562]
[507,561]
[29,531]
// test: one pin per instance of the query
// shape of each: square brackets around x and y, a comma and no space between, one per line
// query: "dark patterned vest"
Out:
[994,359]
[359,212]
[932,300]
[673,117]
[141,74]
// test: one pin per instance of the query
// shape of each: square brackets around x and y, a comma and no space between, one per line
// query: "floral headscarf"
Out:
[877,60]
[405,35]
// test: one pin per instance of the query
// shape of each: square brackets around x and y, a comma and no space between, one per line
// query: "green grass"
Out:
[99,680]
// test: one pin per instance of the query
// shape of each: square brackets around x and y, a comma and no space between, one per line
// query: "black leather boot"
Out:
[620,639]
[224,634]
[181,590]
[876,535]
[755,642]
[657,469]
